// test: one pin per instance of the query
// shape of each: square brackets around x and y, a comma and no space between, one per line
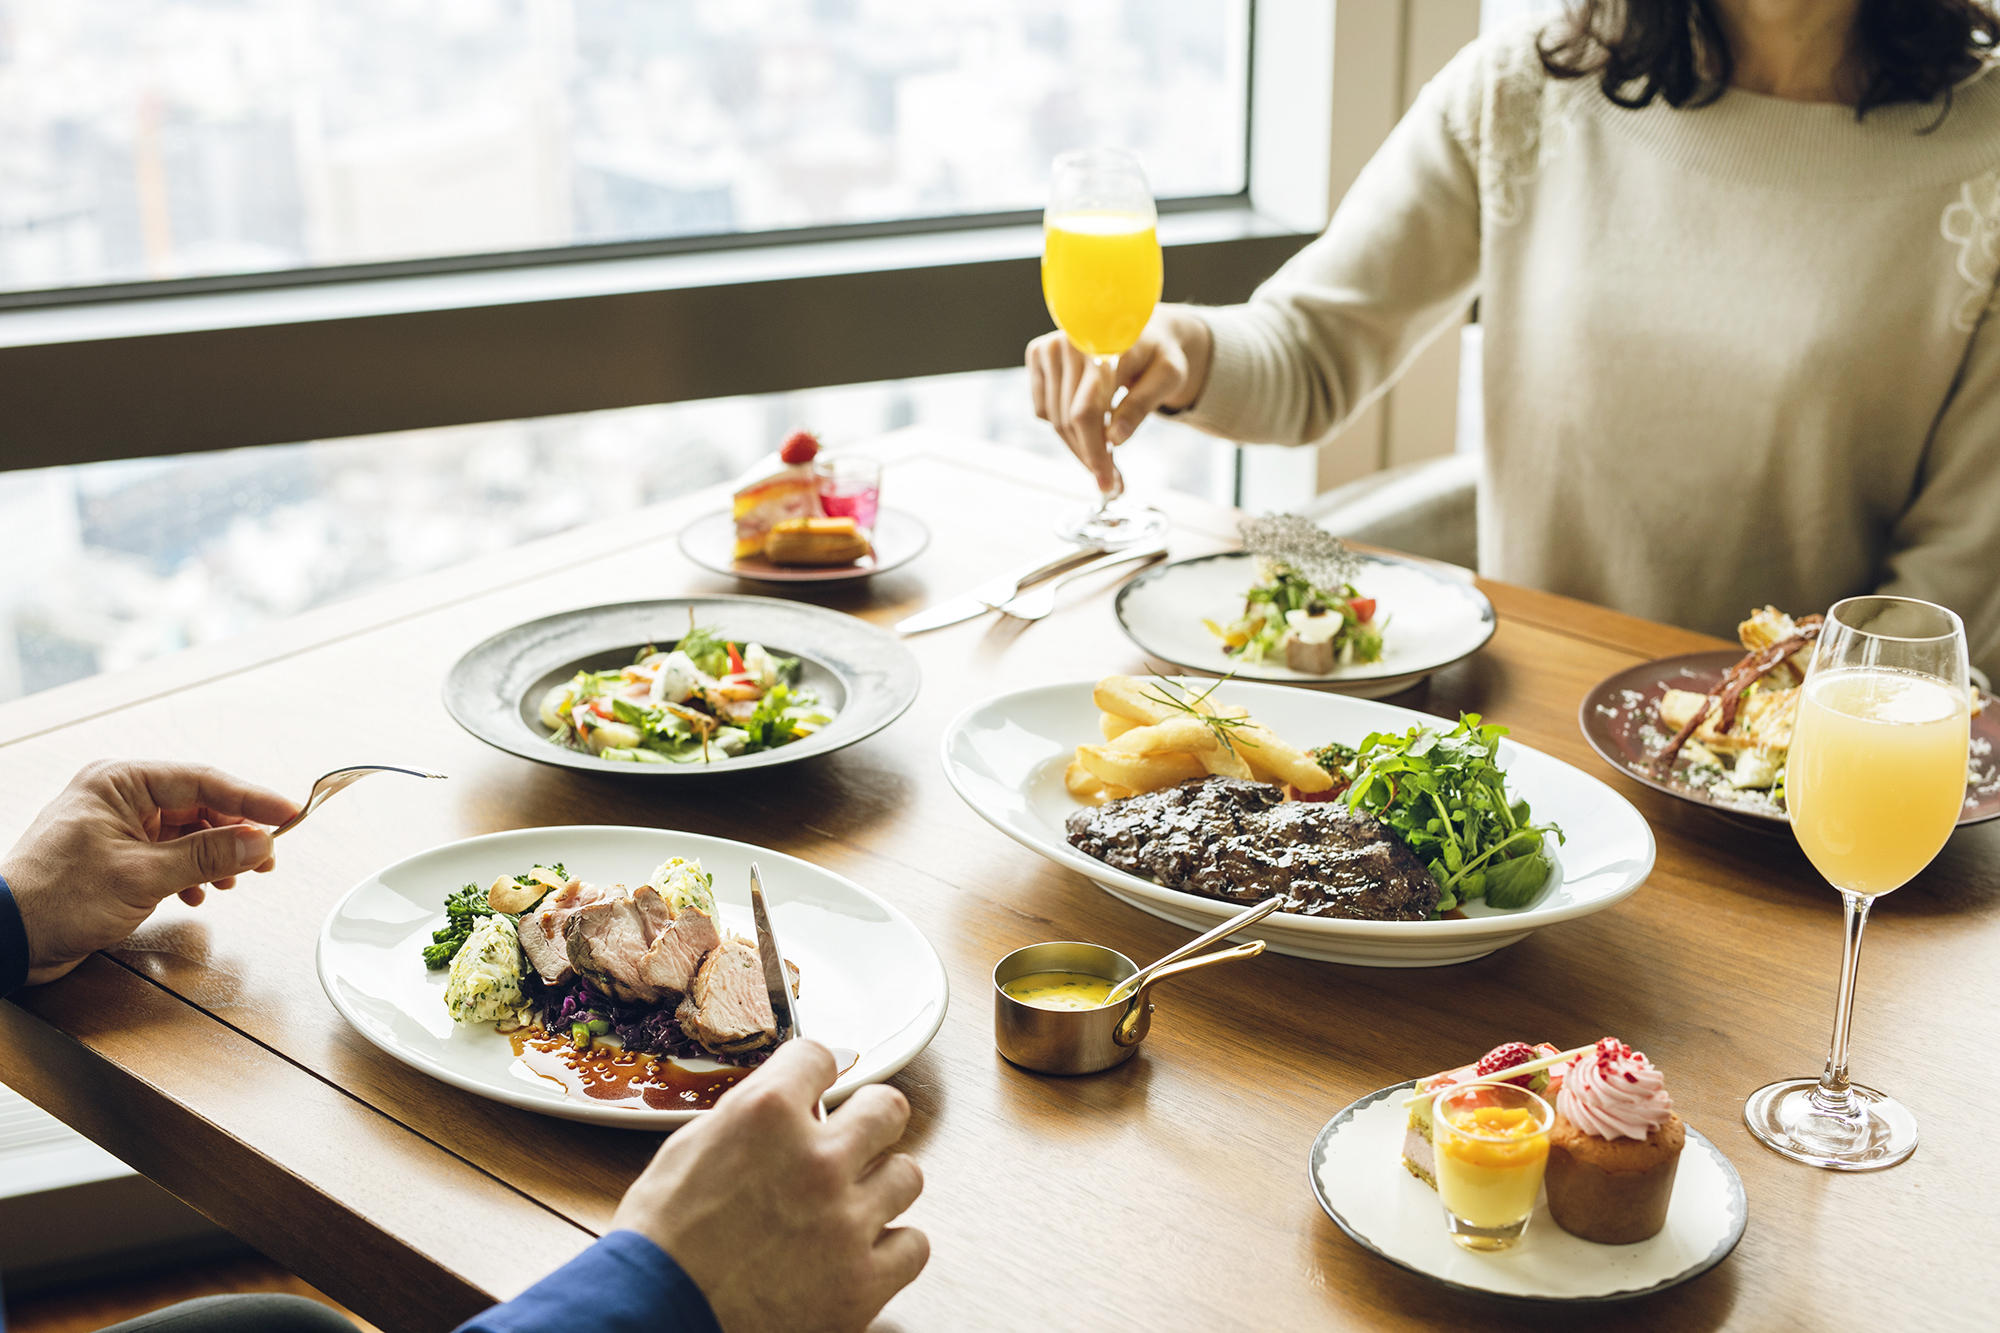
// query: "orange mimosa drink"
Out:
[1876,776]
[1101,276]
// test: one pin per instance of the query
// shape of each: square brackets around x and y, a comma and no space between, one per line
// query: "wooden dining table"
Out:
[1170,1192]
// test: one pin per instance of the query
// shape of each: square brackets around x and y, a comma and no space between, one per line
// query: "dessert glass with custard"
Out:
[1491,1143]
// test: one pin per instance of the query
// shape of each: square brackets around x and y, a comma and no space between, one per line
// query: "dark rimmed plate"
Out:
[1619,718]
[710,542]
[1357,1175]
[495,691]
[1432,615]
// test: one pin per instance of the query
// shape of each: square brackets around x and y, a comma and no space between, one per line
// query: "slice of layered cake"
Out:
[791,492]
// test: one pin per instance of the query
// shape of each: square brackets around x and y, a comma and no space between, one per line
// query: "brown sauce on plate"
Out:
[612,1076]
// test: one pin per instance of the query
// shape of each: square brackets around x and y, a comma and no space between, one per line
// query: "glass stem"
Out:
[1108,365]
[1832,1096]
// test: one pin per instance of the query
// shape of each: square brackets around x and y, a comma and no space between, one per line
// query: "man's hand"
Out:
[120,839]
[782,1221]
[1167,367]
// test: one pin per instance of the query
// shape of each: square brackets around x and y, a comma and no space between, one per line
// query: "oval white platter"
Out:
[1431,616]
[869,981]
[1005,758]
[1356,1173]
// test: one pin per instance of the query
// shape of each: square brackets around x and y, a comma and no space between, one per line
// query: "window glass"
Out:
[162,138]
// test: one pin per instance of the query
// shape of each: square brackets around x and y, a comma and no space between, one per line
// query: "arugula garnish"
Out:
[1445,795]
[708,650]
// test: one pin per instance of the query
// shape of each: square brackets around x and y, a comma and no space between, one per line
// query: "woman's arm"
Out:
[1946,546]
[1335,326]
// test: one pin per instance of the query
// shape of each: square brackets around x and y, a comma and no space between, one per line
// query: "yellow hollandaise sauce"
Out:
[1060,990]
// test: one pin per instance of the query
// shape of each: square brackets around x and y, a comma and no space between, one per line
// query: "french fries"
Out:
[1156,737]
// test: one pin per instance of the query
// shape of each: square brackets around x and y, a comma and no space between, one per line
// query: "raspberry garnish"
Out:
[799,447]
[1506,1057]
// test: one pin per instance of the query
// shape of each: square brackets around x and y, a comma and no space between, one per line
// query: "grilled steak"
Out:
[1242,841]
[728,1010]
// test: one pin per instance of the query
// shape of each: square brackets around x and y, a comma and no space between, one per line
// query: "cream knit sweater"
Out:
[1739,354]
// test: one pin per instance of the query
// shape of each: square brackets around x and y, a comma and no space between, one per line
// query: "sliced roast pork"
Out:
[675,956]
[541,931]
[608,942]
[727,1009]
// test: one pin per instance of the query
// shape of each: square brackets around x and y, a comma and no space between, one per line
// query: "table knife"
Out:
[774,970]
[990,594]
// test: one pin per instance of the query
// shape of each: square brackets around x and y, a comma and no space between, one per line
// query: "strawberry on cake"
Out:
[1541,1071]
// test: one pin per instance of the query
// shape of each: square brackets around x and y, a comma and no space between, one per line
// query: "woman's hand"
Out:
[122,838]
[783,1220]
[1167,368]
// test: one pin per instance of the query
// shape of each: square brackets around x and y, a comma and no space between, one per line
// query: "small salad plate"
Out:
[870,985]
[1620,719]
[1006,757]
[1430,615]
[860,676]
[898,539]
[1357,1175]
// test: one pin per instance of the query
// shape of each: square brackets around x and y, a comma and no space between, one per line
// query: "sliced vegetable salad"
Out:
[1287,618]
[704,699]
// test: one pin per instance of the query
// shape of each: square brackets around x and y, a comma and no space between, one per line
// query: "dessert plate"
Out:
[1620,719]
[865,674]
[1357,1175]
[871,986]
[710,542]
[1435,616]
[1005,758]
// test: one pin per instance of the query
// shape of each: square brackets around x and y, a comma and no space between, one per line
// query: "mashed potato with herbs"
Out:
[485,981]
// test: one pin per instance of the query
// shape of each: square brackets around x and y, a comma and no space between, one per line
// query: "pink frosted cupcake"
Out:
[1613,1148]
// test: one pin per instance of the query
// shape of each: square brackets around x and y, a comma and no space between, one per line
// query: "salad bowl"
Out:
[861,675]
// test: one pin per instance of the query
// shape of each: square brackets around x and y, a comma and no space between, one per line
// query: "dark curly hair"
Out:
[1911,50]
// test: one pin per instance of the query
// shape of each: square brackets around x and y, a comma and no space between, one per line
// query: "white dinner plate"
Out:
[710,541]
[1006,756]
[1357,1174]
[869,982]
[1431,616]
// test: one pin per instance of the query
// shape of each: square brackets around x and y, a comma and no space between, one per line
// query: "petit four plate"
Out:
[710,542]
[1431,614]
[1620,719]
[1357,1175]
[495,691]
[1005,757]
[871,985]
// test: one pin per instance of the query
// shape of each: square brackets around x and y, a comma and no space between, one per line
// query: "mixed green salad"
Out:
[1288,618]
[1445,795]
[706,698]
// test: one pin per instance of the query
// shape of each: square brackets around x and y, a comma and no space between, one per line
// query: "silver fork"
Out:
[338,781]
[1038,602]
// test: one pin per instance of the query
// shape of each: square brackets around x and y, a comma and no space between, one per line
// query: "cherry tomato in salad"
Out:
[1364,608]
[736,667]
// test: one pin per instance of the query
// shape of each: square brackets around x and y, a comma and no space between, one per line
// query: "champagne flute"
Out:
[1875,782]
[1101,278]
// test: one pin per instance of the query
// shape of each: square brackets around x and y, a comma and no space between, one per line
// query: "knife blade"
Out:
[985,596]
[773,959]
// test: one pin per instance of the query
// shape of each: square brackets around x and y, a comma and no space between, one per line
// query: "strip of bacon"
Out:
[1729,692]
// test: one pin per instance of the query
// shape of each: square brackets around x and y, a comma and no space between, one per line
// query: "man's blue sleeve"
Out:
[13,944]
[622,1284]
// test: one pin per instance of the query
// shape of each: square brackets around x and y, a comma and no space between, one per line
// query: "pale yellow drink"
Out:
[1876,776]
[1101,277]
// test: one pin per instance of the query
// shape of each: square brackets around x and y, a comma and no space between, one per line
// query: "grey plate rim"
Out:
[1488,619]
[918,532]
[1739,1207]
[851,725]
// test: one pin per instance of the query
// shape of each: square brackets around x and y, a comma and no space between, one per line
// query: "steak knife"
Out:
[775,984]
[990,594]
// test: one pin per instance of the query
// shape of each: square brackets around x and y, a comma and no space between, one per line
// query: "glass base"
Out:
[1483,1240]
[1876,1131]
[1115,525]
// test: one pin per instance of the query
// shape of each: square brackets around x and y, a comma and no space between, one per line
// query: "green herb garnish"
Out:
[1183,700]
[1444,794]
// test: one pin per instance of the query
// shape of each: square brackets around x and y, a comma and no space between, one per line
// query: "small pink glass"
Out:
[850,487]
